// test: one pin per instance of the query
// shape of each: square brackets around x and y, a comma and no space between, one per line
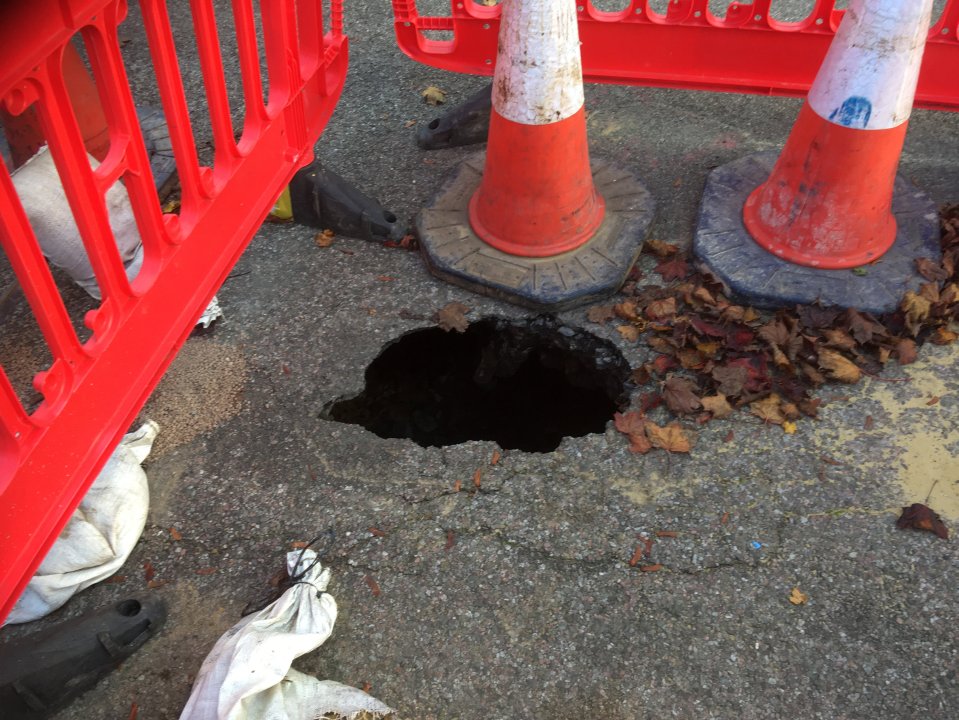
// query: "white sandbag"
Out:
[45,203]
[100,534]
[247,675]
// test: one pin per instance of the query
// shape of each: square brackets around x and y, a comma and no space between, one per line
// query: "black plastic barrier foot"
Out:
[464,124]
[322,199]
[45,671]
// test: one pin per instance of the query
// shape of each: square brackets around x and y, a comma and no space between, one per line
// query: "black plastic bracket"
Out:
[322,199]
[43,672]
[463,124]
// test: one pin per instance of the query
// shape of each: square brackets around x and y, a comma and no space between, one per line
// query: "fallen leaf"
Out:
[661,309]
[600,314]
[433,95]
[916,308]
[798,597]
[768,409]
[672,438]
[934,400]
[324,239]
[666,534]
[680,396]
[789,427]
[148,572]
[376,532]
[175,534]
[943,336]
[205,571]
[637,556]
[640,375]
[718,405]
[931,270]
[385,278]
[495,458]
[839,367]
[450,539]
[453,317]
[373,585]
[906,352]
[457,486]
[651,568]
[675,269]
[729,437]
[920,517]
[730,380]
[869,423]
[478,478]
[662,249]
[724,519]
[154,584]
[134,711]
[629,332]
[633,425]
[627,311]
[299,544]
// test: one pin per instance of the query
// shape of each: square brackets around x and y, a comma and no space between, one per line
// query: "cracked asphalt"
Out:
[517,598]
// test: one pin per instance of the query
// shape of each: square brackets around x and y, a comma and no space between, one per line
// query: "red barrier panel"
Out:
[93,390]
[747,51]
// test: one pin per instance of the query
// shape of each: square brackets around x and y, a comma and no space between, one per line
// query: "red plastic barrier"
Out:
[92,391]
[747,51]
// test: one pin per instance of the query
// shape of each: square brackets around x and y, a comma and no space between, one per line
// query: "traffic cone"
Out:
[536,222]
[828,202]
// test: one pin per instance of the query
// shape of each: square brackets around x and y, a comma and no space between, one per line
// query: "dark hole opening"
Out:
[128,608]
[524,385]
[389,217]
[434,124]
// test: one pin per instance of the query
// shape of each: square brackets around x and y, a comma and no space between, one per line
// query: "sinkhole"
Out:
[524,385]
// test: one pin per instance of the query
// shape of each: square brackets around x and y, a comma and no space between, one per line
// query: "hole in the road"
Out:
[525,385]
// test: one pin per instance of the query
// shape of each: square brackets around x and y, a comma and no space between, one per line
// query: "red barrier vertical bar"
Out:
[255,110]
[80,187]
[128,153]
[173,98]
[218,103]
[279,38]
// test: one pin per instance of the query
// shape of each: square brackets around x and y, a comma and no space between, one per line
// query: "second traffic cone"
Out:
[828,201]
[785,230]
[529,223]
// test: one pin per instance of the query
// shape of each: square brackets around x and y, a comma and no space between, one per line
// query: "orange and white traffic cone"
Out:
[536,222]
[828,201]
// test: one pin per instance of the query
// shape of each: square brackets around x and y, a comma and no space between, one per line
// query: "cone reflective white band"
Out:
[539,74]
[868,78]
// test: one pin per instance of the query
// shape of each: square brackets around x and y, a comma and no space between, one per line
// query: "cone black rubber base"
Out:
[595,270]
[757,277]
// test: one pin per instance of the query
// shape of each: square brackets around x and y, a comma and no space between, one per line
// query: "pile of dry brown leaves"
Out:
[715,356]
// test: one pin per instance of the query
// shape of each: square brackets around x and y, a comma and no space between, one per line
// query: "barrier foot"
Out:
[45,671]
[757,277]
[464,124]
[322,199]
[594,270]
